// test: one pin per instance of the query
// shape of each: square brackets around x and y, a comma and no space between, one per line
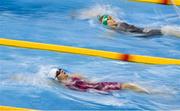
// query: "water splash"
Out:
[171,30]
[94,11]
[92,98]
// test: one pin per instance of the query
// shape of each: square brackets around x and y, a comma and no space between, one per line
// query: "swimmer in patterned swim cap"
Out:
[77,82]
[120,26]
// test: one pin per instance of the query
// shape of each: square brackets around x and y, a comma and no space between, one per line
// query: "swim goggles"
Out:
[58,72]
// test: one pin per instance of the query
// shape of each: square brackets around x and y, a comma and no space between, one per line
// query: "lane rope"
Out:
[10,108]
[90,52]
[165,2]
[125,57]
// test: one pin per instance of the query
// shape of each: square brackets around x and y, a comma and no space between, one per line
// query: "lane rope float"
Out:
[164,2]
[90,52]
[9,108]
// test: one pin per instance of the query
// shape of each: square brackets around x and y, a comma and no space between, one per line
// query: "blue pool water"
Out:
[23,72]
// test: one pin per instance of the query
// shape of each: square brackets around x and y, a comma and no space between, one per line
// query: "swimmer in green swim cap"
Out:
[108,20]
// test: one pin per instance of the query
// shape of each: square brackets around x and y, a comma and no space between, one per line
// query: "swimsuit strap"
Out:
[104,20]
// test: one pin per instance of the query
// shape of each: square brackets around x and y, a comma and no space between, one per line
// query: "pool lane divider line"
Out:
[164,2]
[9,108]
[90,52]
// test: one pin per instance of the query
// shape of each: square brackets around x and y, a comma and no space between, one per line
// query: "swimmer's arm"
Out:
[134,87]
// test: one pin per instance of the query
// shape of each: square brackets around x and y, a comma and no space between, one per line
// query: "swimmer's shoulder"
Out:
[76,76]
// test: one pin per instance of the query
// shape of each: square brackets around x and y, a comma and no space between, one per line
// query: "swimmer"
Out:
[77,82]
[107,20]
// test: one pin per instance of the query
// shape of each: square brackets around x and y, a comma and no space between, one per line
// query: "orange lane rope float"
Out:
[90,52]
[164,2]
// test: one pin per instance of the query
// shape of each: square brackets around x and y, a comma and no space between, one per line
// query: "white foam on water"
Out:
[94,11]
[94,98]
[171,30]
[38,79]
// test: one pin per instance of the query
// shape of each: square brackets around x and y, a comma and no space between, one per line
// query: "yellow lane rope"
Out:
[90,52]
[9,108]
[165,2]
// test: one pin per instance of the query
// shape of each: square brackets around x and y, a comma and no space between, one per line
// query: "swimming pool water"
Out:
[23,72]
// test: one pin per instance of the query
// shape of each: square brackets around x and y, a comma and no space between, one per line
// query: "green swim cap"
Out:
[104,19]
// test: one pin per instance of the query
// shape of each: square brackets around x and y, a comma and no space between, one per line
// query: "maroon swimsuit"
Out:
[82,85]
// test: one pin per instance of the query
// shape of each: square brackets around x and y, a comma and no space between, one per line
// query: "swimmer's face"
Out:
[61,75]
[109,19]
